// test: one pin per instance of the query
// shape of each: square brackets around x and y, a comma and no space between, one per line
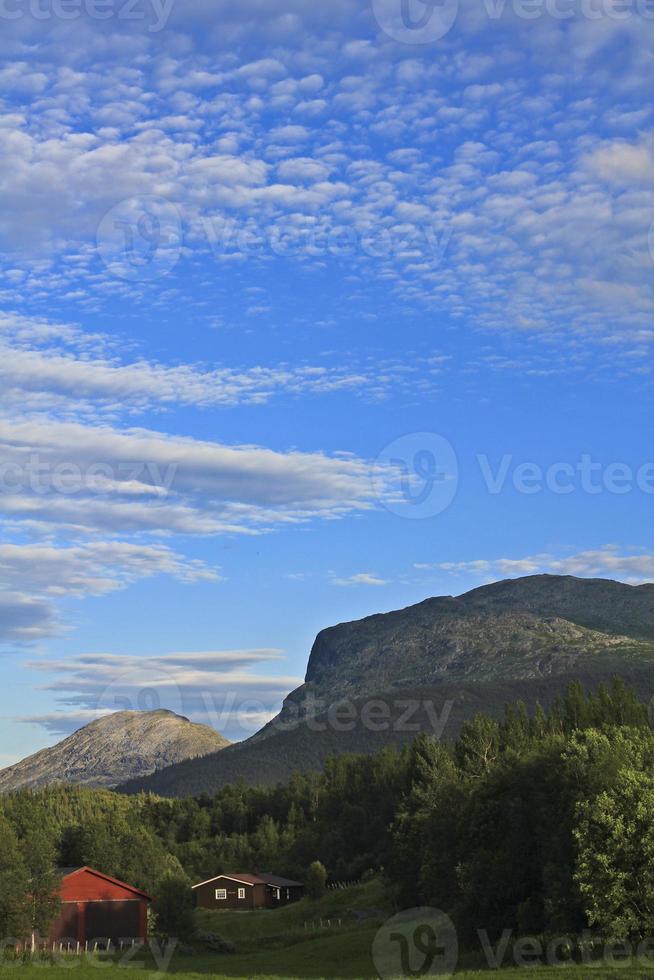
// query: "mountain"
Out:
[448,658]
[121,746]
[538,626]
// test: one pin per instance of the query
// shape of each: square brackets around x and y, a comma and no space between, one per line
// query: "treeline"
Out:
[535,823]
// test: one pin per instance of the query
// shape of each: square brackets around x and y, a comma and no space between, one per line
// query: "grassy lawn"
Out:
[323,958]
[312,964]
[293,936]
[289,944]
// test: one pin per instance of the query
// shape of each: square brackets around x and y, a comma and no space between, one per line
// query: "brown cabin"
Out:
[97,908]
[247,891]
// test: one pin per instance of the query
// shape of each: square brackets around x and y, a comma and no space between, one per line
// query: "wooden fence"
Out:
[36,947]
[313,925]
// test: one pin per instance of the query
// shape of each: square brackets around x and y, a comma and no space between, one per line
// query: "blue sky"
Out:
[307,312]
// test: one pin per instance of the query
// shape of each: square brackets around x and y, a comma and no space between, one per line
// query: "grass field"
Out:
[254,968]
[290,944]
[313,964]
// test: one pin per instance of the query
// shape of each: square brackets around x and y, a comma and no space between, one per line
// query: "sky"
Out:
[307,312]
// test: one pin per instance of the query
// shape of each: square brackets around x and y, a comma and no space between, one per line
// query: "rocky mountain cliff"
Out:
[125,745]
[450,657]
[538,626]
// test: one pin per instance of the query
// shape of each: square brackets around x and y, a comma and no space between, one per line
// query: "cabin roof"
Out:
[245,878]
[280,882]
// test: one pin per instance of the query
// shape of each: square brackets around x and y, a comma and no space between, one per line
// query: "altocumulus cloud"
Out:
[56,367]
[528,218]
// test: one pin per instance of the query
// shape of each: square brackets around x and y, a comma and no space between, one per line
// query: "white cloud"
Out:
[24,619]
[90,492]
[604,562]
[33,577]
[226,688]
[361,578]
[88,476]
[622,162]
[52,366]
[529,217]
[92,569]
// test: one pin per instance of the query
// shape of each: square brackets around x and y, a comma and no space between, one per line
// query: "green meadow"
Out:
[325,940]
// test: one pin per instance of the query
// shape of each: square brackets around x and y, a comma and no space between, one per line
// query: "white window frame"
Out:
[221,894]
[241,893]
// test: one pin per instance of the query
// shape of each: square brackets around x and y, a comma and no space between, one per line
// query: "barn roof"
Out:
[70,872]
[254,879]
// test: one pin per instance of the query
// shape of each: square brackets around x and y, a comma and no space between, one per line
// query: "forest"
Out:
[539,824]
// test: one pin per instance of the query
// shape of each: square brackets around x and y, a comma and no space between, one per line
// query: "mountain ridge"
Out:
[490,631]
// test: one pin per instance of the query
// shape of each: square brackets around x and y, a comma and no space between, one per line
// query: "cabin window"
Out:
[221,894]
[241,893]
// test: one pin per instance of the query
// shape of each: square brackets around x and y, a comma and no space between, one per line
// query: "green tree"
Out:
[14,884]
[173,908]
[122,848]
[478,747]
[39,856]
[615,866]
[316,882]
[266,842]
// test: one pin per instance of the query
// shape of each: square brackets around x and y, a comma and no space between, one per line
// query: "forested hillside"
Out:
[520,824]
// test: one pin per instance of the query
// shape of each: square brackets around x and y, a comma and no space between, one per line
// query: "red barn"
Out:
[95,907]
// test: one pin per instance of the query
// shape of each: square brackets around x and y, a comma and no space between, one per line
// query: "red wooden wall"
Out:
[97,907]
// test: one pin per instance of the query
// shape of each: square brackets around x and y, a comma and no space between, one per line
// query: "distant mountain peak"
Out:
[114,748]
